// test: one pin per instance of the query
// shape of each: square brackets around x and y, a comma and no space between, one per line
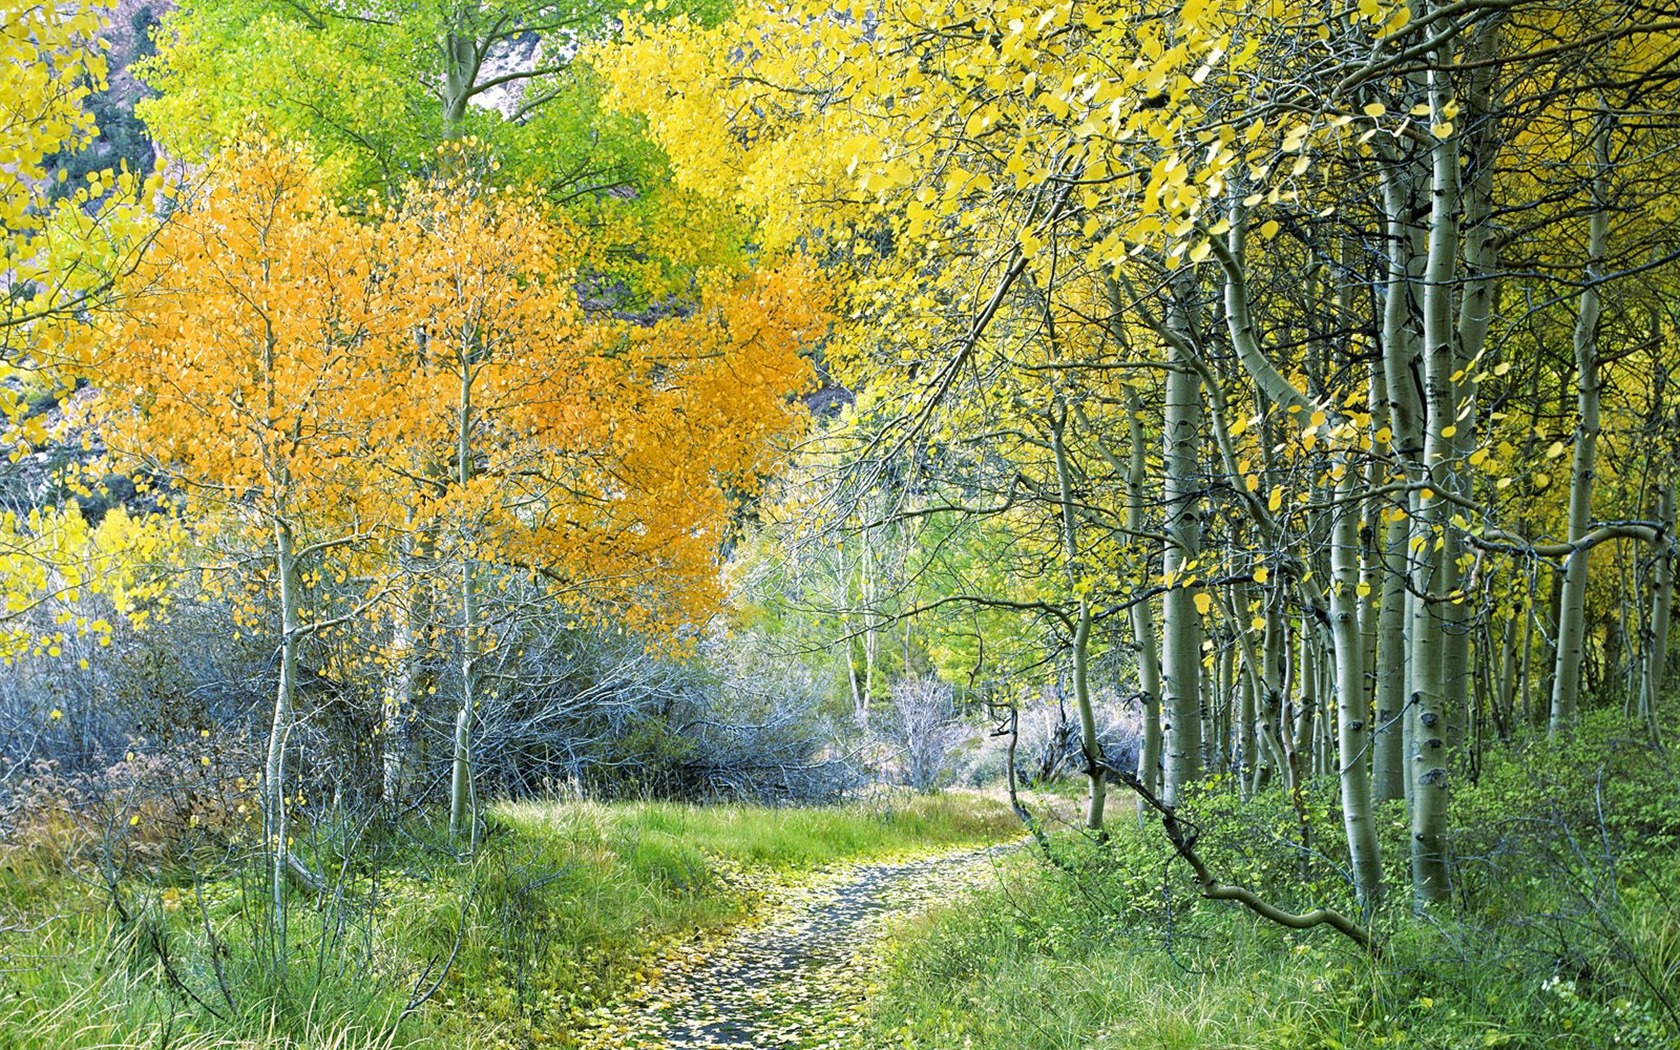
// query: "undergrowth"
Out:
[413,945]
[1564,931]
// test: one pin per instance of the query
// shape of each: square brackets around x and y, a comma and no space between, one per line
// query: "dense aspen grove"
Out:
[497,487]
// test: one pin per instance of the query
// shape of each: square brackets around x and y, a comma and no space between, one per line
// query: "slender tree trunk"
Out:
[1388,760]
[1092,747]
[1181,634]
[1306,707]
[1505,693]
[461,794]
[460,71]
[1571,631]
[1478,149]
[1274,684]
[398,708]
[1246,740]
[1403,410]
[1143,614]
[279,736]
[860,709]
[871,629]
[462,813]
[1431,757]
[402,691]
[1662,607]
[1353,729]
[1218,703]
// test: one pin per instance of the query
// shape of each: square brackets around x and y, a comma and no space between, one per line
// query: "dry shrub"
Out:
[146,810]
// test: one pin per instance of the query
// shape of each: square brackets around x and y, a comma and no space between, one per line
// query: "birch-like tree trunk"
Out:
[1181,625]
[1090,746]
[1433,571]
[1662,607]
[1572,628]
[1143,614]
[278,829]
[1353,728]
[461,795]
[397,707]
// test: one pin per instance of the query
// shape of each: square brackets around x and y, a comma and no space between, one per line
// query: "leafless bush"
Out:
[1050,744]
[609,715]
[146,809]
[924,727]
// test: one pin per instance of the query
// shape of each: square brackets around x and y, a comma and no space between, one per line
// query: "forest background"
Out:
[1257,415]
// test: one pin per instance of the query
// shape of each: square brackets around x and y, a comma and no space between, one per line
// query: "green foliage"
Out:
[376,92]
[1568,934]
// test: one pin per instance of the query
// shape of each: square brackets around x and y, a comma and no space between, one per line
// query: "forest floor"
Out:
[602,924]
[800,973]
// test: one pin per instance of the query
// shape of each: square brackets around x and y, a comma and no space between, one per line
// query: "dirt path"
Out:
[798,978]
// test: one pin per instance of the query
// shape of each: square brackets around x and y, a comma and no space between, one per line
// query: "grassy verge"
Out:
[1565,932]
[562,905]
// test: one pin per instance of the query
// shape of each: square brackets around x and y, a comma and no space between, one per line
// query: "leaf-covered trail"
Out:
[799,977]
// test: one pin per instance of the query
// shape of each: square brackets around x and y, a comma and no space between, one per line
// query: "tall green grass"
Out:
[563,905]
[1565,932]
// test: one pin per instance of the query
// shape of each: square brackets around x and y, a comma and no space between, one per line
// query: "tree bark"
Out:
[1571,630]
[461,795]
[1434,572]
[1090,746]
[1181,626]
[1662,607]
[1143,615]
[1353,729]
[276,815]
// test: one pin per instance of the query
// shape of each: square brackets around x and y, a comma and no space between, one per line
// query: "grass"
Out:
[1565,933]
[987,976]
[572,901]
[786,838]
[564,905]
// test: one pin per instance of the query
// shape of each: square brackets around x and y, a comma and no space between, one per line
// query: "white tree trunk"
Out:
[1431,756]
[276,817]
[1353,727]
[1181,625]
[1571,630]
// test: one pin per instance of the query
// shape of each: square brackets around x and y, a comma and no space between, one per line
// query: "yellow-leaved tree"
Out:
[598,455]
[60,249]
[238,370]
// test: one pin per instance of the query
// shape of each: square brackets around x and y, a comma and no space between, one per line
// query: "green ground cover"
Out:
[563,908]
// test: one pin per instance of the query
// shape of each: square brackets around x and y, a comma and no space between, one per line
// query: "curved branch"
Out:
[1183,839]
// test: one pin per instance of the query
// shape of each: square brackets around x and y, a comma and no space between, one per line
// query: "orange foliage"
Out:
[247,332]
[435,371]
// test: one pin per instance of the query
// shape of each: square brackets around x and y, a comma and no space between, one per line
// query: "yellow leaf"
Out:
[1204,602]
